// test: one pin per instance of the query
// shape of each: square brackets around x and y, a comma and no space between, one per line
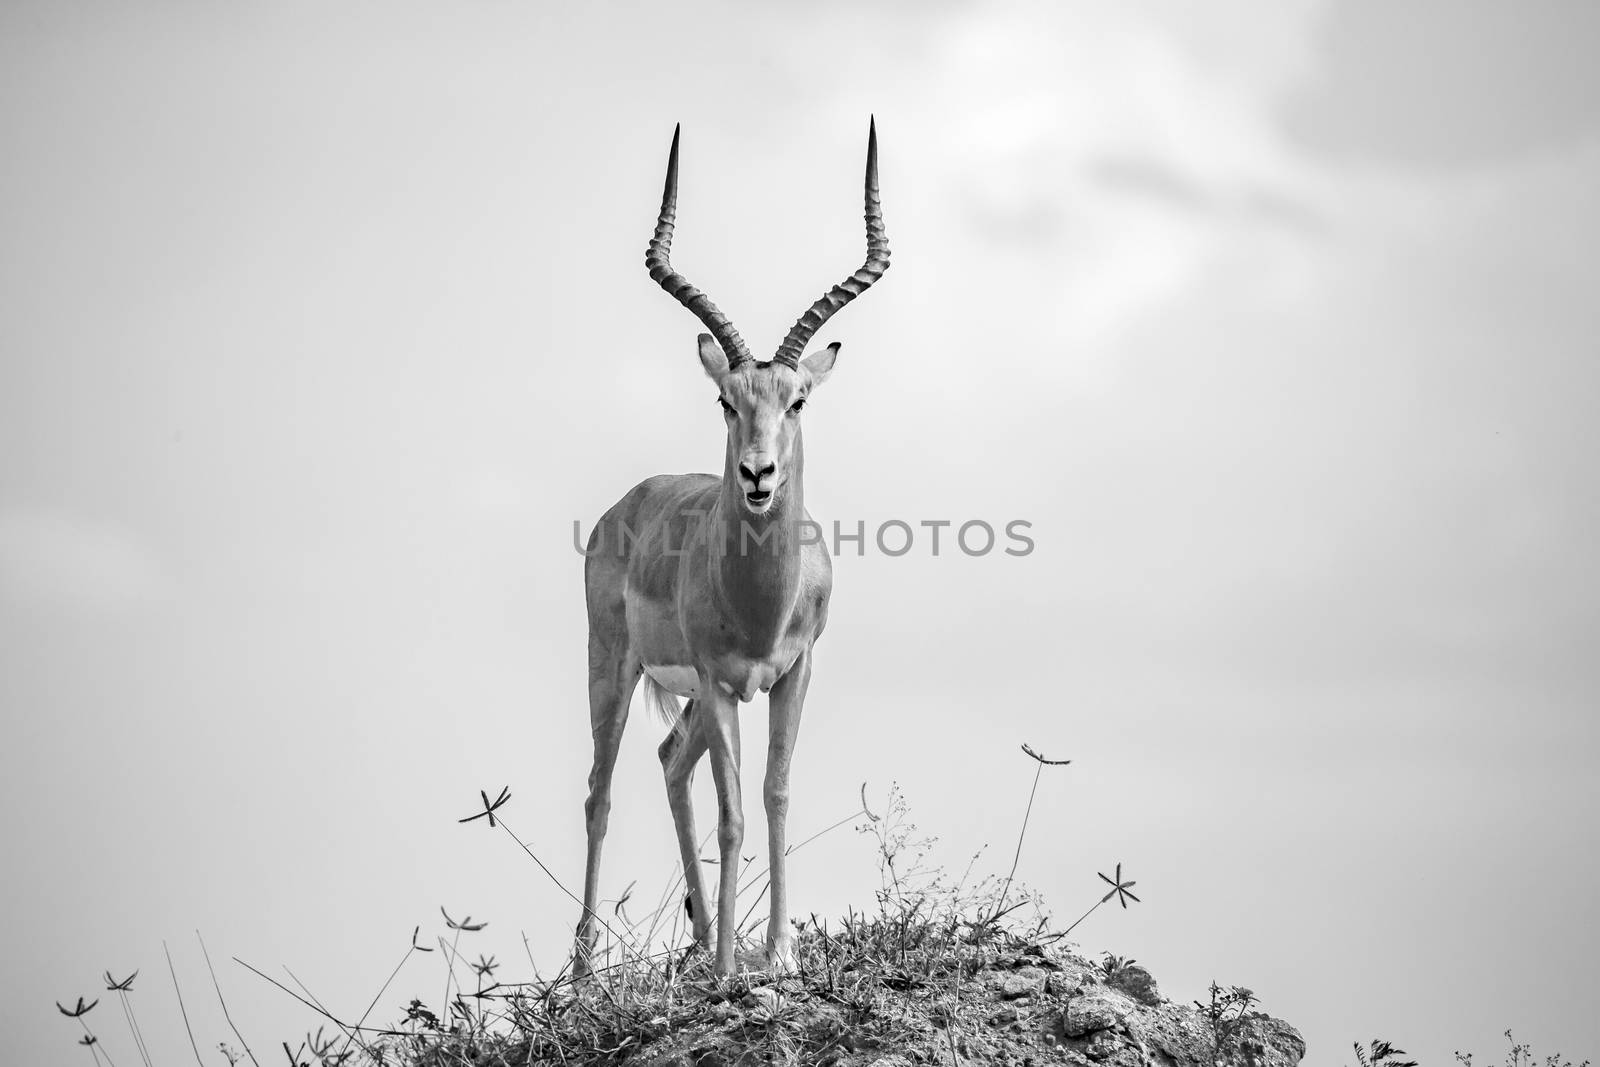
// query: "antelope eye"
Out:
[794,409]
[727,408]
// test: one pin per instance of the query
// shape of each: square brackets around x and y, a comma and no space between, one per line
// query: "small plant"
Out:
[915,892]
[1521,1055]
[122,988]
[78,1011]
[1381,1053]
[1119,891]
[1113,965]
[1224,1014]
[905,879]
[1040,763]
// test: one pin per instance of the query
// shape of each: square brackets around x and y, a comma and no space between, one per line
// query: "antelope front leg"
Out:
[721,732]
[679,753]
[788,697]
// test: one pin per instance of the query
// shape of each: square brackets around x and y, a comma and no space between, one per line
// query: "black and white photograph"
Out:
[960,533]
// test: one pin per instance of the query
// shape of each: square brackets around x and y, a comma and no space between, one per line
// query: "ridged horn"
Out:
[658,260]
[794,344]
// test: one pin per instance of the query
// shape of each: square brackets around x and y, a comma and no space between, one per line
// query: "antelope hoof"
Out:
[781,955]
[582,961]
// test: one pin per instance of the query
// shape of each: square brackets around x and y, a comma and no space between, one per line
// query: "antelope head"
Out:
[760,401]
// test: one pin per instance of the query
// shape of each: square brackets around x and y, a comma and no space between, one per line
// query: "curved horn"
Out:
[794,345]
[657,258]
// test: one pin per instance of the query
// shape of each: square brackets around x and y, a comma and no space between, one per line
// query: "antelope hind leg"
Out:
[611,688]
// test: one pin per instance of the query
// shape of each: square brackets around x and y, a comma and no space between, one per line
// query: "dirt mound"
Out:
[1027,1005]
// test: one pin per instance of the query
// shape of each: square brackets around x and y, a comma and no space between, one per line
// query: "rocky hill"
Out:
[1024,1005]
[883,992]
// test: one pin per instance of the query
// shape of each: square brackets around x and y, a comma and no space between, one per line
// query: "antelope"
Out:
[711,589]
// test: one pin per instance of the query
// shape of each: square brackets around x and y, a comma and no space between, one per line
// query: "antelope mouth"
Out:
[758,499]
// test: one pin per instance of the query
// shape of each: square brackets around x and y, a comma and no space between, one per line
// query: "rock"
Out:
[1101,1009]
[764,998]
[1104,1047]
[1039,956]
[1016,1009]
[1263,1041]
[1137,983]
[1178,1036]
[1075,975]
[1025,982]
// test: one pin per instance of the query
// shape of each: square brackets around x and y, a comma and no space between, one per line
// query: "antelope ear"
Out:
[820,364]
[712,358]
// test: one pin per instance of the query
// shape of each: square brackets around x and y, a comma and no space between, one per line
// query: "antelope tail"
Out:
[662,704]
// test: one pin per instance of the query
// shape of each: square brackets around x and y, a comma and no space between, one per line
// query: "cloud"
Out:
[1107,164]
[66,562]
[1441,85]
[1144,176]
[1159,183]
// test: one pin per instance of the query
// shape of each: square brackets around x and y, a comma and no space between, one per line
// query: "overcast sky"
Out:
[323,323]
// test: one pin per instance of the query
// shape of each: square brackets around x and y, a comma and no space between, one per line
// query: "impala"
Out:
[709,588]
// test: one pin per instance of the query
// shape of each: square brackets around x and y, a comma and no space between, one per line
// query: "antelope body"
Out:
[711,589]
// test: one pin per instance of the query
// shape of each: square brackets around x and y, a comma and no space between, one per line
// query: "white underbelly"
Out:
[684,681]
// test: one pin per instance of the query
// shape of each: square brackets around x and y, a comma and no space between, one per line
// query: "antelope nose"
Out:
[753,473]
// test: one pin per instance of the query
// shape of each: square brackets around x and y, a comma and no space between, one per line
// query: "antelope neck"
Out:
[758,574]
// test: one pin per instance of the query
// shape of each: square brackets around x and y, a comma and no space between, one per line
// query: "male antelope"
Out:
[711,588]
